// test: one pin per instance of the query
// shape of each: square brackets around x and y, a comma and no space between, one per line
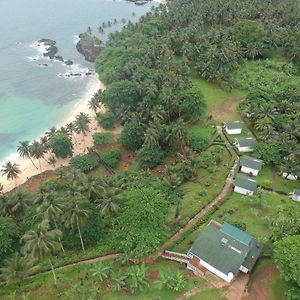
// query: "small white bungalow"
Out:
[295,195]
[291,176]
[245,185]
[245,144]
[250,165]
[233,127]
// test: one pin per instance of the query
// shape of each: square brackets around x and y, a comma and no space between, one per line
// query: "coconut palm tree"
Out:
[82,124]
[72,129]
[5,206]
[42,243]
[19,202]
[94,104]
[17,268]
[24,151]
[101,271]
[37,151]
[52,208]
[11,170]
[75,214]
[51,132]
[152,136]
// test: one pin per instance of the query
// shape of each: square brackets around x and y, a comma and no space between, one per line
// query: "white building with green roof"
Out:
[245,144]
[245,185]
[295,195]
[291,176]
[224,250]
[233,127]
[250,165]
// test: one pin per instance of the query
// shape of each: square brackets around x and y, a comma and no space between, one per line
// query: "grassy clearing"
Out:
[220,103]
[206,186]
[42,287]
[200,130]
[278,183]
[211,294]
[276,289]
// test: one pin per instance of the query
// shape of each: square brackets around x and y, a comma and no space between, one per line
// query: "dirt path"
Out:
[81,262]
[237,289]
[194,220]
[259,288]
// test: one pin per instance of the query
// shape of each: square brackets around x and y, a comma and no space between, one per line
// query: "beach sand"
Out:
[27,168]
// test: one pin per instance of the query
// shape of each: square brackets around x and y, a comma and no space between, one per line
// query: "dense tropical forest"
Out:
[163,77]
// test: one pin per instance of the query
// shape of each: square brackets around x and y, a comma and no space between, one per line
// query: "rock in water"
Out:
[68,62]
[51,51]
[89,47]
[59,58]
[47,42]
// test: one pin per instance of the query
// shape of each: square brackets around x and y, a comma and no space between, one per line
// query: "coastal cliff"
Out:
[89,46]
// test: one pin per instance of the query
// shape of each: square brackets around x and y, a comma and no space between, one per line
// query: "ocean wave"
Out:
[76,39]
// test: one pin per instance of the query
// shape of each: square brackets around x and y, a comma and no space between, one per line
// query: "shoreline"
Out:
[81,105]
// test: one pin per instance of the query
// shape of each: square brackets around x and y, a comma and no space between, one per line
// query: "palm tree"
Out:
[109,202]
[5,206]
[19,202]
[24,151]
[152,136]
[42,243]
[94,104]
[82,124]
[17,268]
[51,132]
[101,271]
[37,151]
[177,133]
[11,170]
[52,208]
[75,214]
[71,129]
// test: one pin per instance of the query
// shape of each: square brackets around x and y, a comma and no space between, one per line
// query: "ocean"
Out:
[35,97]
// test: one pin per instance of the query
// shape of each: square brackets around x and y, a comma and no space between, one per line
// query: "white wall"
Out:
[233,131]
[227,278]
[249,171]
[290,176]
[245,149]
[296,197]
[243,191]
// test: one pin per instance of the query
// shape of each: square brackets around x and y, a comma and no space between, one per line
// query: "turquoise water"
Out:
[34,98]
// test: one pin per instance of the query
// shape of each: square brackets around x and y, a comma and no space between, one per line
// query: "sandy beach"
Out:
[25,165]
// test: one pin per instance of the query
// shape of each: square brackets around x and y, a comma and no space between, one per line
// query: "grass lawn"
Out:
[209,294]
[206,186]
[278,183]
[42,287]
[200,130]
[220,104]
[239,208]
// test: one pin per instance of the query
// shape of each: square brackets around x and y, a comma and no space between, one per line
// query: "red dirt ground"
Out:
[154,275]
[258,290]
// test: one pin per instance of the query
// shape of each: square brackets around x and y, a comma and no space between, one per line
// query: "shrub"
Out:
[181,170]
[150,157]
[112,158]
[61,145]
[132,136]
[102,138]
[197,143]
[107,120]
[84,163]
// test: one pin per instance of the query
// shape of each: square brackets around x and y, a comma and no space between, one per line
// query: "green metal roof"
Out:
[245,182]
[246,142]
[234,125]
[224,252]
[250,162]
[297,192]
[236,233]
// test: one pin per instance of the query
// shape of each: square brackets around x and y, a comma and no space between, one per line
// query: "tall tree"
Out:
[76,213]
[17,268]
[82,124]
[42,243]
[11,170]
[24,151]
[37,151]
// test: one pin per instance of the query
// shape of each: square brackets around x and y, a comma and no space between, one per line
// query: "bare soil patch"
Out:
[259,288]
[226,110]
[154,275]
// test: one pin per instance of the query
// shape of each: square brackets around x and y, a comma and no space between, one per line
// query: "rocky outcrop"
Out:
[68,62]
[47,42]
[89,46]
[59,58]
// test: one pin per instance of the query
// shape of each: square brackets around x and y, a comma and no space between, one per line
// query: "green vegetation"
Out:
[210,293]
[102,138]
[169,79]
